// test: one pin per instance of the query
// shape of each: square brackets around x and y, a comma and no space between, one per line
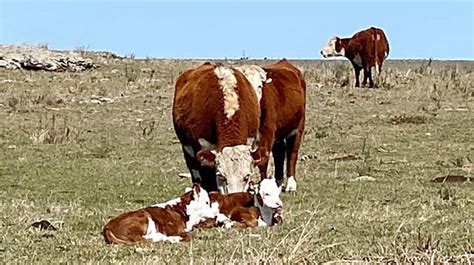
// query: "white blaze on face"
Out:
[198,209]
[233,164]
[330,49]
[256,76]
[228,83]
[270,193]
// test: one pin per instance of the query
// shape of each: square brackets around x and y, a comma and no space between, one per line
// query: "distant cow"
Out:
[216,118]
[366,49]
[171,221]
[282,118]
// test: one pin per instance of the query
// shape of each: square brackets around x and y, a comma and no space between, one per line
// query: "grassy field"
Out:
[79,148]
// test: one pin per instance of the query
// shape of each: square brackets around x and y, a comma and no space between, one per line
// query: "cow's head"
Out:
[256,76]
[333,48]
[233,164]
[197,205]
[268,194]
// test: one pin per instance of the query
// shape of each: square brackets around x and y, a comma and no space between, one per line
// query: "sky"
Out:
[227,29]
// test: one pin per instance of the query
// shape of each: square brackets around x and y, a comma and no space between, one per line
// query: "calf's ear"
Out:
[206,158]
[196,188]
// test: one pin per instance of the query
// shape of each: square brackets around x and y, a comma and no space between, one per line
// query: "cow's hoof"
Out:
[291,185]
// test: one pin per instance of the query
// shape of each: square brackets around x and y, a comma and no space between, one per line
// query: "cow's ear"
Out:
[206,158]
[268,77]
[258,157]
[205,144]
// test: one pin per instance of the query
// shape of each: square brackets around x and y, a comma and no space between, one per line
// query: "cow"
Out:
[366,49]
[171,221]
[282,119]
[216,119]
[260,205]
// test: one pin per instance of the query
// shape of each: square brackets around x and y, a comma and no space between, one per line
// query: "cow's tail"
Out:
[110,238]
[387,46]
[379,36]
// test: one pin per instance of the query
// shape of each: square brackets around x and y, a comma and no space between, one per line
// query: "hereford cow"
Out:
[259,206]
[171,221]
[282,118]
[216,119]
[366,49]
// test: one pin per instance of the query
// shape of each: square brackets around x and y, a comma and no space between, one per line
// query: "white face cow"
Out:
[256,76]
[333,48]
[233,165]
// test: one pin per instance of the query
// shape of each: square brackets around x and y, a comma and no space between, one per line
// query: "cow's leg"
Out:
[366,75]
[278,150]
[293,144]
[267,136]
[357,74]
[378,70]
[192,163]
[369,73]
[205,176]
[209,178]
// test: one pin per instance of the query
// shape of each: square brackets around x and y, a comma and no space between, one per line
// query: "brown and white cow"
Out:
[282,120]
[366,49]
[171,221]
[216,119]
[259,206]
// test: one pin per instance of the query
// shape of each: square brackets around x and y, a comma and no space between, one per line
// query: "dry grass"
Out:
[79,148]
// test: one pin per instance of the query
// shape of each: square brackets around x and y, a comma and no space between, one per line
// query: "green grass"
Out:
[77,164]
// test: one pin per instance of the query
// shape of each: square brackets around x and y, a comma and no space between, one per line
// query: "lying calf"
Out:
[260,206]
[171,221]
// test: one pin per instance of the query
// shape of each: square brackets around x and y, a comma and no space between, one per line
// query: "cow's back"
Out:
[195,90]
[198,108]
[284,96]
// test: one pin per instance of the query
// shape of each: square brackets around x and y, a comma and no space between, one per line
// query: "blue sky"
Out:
[213,29]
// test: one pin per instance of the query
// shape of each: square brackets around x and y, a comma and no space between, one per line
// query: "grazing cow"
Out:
[216,119]
[366,49]
[259,206]
[171,221]
[282,119]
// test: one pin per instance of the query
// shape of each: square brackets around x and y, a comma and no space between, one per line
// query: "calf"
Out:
[282,119]
[171,221]
[260,207]
[216,119]
[366,49]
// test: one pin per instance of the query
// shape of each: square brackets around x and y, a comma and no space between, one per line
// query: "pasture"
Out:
[79,148]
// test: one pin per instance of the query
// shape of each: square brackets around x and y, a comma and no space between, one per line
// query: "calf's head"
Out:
[268,194]
[197,205]
[233,165]
[333,48]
